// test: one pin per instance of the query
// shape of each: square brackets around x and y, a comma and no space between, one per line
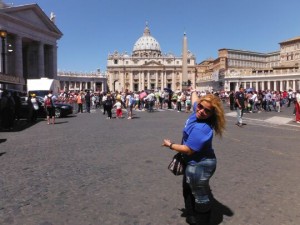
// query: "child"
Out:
[118,106]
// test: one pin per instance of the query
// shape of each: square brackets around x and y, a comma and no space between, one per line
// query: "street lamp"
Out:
[3,34]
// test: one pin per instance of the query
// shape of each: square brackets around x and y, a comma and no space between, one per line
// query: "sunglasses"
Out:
[206,110]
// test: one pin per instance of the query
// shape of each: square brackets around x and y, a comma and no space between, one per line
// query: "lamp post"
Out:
[3,34]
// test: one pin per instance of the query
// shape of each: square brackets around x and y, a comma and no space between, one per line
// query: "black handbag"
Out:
[177,165]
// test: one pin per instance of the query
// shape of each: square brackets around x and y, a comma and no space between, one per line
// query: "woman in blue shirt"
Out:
[197,151]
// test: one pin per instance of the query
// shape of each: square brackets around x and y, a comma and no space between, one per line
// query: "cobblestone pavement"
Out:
[87,170]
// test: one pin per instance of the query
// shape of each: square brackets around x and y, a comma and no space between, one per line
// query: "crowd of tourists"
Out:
[149,100]
[263,101]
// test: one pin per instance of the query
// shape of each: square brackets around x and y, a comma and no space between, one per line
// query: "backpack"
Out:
[108,101]
[131,101]
[48,102]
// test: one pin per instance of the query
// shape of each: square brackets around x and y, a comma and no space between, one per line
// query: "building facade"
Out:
[28,45]
[148,68]
[74,81]
[234,68]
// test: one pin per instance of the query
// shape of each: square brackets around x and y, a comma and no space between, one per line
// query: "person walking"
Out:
[79,102]
[130,104]
[7,109]
[104,97]
[18,104]
[179,100]
[297,106]
[87,98]
[35,108]
[231,100]
[198,154]
[108,105]
[118,106]
[50,108]
[240,106]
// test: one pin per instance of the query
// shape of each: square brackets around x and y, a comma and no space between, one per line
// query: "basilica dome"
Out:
[146,44]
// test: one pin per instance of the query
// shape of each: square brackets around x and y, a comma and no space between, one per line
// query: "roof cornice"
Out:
[5,13]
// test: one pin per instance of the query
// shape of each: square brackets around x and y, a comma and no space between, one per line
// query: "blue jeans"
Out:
[196,181]
[239,115]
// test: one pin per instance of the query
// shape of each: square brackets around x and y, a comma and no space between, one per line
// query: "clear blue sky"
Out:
[94,28]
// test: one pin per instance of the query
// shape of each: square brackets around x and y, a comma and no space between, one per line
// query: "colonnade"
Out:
[274,85]
[82,85]
[30,58]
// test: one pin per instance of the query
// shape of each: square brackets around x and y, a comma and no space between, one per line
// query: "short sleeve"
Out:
[199,137]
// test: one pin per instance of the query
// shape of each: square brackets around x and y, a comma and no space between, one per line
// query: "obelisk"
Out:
[184,85]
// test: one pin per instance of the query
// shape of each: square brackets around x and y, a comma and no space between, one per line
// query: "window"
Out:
[115,61]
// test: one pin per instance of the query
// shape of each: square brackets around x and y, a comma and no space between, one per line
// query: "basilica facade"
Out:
[149,68]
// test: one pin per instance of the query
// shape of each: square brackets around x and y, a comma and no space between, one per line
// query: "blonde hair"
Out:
[217,119]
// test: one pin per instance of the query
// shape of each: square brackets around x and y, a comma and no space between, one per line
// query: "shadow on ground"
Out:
[21,125]
[218,212]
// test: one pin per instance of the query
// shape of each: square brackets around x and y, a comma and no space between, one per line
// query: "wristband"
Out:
[171,145]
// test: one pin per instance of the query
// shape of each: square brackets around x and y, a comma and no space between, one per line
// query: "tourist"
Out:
[49,107]
[87,98]
[34,108]
[118,106]
[108,105]
[130,104]
[7,109]
[79,100]
[197,151]
[240,106]
[297,106]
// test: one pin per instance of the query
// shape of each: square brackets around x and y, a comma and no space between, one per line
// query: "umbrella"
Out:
[249,89]
[143,95]
[168,90]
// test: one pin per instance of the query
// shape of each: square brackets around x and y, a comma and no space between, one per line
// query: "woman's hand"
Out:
[167,143]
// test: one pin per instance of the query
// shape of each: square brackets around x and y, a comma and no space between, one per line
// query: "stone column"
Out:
[173,81]
[165,79]
[41,58]
[148,80]
[281,85]
[294,85]
[162,81]
[131,81]
[237,87]
[140,80]
[18,56]
[156,79]
[143,80]
[53,61]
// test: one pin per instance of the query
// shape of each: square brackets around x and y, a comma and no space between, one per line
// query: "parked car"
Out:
[61,110]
